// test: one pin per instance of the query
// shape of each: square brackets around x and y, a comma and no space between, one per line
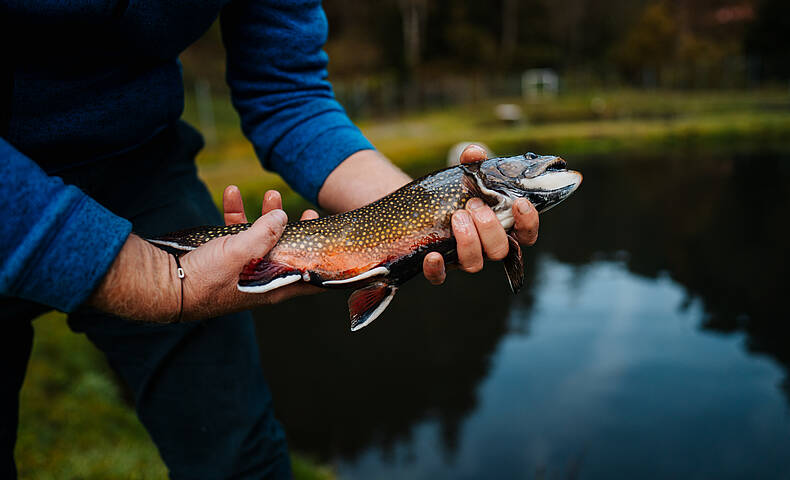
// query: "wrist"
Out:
[141,284]
[180,275]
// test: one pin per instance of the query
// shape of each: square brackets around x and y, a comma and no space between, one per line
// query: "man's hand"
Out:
[234,252]
[142,283]
[477,231]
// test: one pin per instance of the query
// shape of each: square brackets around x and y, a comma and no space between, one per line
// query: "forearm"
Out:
[362,178]
[141,284]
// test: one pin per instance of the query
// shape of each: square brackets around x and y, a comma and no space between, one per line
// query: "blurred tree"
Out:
[395,45]
[468,42]
[509,27]
[413,13]
[650,44]
[768,39]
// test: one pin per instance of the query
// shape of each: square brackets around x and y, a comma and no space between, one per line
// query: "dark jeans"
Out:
[198,387]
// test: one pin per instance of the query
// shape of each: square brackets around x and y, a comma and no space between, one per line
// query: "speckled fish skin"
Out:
[391,232]
[410,221]
[380,246]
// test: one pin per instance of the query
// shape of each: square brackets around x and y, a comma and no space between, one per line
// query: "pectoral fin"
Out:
[514,266]
[262,275]
[365,304]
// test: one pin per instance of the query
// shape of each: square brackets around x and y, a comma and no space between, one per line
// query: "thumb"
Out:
[261,237]
[473,153]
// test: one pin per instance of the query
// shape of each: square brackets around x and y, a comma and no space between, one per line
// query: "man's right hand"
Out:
[142,284]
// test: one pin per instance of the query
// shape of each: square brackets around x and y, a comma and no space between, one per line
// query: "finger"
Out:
[256,241]
[526,221]
[473,153]
[470,256]
[433,268]
[272,200]
[309,214]
[492,235]
[233,206]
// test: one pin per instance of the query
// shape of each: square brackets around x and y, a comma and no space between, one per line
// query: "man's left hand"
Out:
[477,231]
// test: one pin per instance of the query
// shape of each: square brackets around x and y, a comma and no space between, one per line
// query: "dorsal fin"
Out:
[191,238]
[366,304]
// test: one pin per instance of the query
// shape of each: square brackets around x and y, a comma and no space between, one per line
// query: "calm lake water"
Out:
[651,341]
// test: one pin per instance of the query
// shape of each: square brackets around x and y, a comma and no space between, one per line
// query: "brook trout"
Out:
[376,248]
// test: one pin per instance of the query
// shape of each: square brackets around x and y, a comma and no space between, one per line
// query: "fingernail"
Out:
[475,204]
[279,215]
[523,206]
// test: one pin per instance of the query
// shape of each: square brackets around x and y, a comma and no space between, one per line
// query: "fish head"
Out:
[542,179]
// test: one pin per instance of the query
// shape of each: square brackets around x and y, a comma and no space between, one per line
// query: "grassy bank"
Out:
[74,423]
[619,122]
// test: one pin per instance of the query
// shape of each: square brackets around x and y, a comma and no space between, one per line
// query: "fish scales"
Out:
[407,221]
[378,247]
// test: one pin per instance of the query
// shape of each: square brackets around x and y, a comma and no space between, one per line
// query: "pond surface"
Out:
[651,341]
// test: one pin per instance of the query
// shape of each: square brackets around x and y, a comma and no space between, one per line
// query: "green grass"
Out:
[74,423]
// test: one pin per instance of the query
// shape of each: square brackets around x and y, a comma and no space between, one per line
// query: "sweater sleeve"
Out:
[277,75]
[56,243]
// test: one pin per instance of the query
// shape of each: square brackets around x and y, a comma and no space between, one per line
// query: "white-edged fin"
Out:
[366,304]
[276,283]
[170,244]
[374,272]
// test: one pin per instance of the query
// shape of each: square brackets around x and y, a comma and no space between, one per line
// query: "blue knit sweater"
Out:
[91,79]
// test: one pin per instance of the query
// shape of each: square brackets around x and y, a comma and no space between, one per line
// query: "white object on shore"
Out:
[509,113]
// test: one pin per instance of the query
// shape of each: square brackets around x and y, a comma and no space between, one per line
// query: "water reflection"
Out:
[717,226]
[599,365]
[339,392]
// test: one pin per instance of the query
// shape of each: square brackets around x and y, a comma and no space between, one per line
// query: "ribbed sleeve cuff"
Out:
[323,143]
[68,265]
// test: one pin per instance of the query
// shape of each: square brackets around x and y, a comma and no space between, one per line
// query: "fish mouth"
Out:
[556,164]
[551,187]
[553,179]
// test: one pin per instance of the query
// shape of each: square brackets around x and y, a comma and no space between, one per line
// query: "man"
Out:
[92,148]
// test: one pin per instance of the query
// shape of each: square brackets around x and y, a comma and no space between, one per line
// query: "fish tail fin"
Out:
[514,266]
[191,238]
[262,275]
[366,304]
